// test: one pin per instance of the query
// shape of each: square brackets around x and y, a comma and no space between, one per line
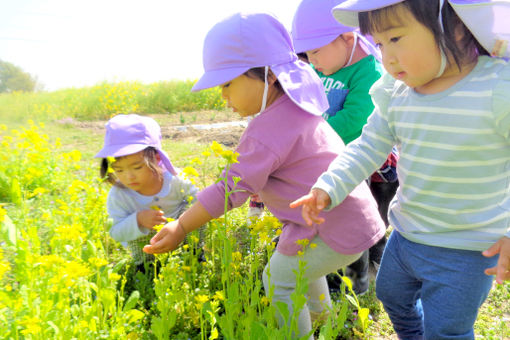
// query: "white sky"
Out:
[75,43]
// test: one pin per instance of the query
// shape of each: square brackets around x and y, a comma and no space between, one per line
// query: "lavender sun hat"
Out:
[247,40]
[129,134]
[314,26]
[486,19]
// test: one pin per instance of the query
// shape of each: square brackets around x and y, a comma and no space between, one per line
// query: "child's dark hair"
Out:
[259,73]
[149,155]
[426,12]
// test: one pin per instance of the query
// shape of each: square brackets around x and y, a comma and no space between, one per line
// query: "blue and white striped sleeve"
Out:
[364,155]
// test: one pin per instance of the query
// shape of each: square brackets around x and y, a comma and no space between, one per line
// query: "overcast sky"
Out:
[75,43]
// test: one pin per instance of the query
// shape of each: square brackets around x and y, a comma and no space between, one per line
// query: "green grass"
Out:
[104,100]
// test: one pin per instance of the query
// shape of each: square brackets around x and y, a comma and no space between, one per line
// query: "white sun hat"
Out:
[486,19]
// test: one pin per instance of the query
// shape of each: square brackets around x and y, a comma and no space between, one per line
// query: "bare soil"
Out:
[178,126]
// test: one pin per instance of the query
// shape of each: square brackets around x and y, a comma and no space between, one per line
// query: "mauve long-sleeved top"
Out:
[282,152]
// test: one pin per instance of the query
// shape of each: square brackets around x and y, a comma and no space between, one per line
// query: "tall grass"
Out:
[107,99]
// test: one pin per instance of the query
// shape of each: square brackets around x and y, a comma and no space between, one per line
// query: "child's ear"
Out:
[158,157]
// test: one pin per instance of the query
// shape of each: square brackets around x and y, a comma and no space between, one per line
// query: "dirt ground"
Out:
[179,126]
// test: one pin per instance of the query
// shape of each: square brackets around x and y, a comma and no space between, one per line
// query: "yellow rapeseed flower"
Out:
[230,156]
[216,148]
[190,172]
[219,296]
[32,325]
[214,334]
[114,277]
[2,213]
[201,299]
[97,262]
[265,300]
[237,256]
[303,242]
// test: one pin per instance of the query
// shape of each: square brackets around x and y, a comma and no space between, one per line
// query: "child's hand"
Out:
[502,269]
[149,218]
[168,238]
[313,204]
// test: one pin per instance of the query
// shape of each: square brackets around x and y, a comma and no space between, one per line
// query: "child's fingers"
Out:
[156,247]
[300,201]
[501,270]
[493,250]
[305,212]
[311,216]
[159,236]
[148,249]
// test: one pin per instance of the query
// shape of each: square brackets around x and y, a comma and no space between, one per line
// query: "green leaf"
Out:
[257,331]
[132,300]
[134,315]
[8,230]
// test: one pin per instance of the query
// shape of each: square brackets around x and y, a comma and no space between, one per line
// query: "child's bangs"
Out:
[380,20]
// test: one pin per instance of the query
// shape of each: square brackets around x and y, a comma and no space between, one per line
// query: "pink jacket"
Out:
[282,152]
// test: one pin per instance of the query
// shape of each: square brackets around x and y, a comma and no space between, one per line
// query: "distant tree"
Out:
[13,78]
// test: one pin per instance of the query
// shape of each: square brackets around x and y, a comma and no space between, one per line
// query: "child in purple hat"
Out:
[348,65]
[284,148]
[445,103]
[145,186]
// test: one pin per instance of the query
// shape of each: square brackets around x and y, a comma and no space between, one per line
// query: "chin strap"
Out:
[442,67]
[353,48]
[266,87]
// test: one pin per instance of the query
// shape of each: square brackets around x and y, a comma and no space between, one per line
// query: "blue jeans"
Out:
[432,292]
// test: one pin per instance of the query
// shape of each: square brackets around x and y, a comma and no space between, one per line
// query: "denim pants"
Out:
[432,292]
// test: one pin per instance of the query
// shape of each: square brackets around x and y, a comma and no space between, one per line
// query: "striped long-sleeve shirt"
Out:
[454,166]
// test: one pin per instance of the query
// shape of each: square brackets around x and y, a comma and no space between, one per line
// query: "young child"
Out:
[145,186]
[445,103]
[284,148]
[348,65]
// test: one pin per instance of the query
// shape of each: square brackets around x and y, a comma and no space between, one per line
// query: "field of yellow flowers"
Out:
[63,277]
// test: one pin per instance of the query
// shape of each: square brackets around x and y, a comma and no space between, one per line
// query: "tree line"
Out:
[13,78]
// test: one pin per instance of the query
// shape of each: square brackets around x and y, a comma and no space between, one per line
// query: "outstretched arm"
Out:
[313,203]
[173,233]
[502,269]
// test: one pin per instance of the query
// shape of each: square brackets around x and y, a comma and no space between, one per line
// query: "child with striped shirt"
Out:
[445,103]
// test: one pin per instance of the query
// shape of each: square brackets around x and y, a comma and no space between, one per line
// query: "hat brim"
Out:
[120,150]
[347,12]
[308,44]
[495,15]
[303,86]
[217,77]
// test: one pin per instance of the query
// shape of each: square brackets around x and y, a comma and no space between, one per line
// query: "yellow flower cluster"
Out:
[218,151]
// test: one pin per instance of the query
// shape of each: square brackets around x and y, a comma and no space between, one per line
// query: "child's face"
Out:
[409,50]
[132,171]
[244,95]
[332,57]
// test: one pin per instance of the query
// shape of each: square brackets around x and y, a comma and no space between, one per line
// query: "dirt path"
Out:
[189,126]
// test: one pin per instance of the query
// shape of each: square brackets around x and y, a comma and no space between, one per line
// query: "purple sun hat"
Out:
[314,26]
[247,40]
[129,134]
[486,19]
